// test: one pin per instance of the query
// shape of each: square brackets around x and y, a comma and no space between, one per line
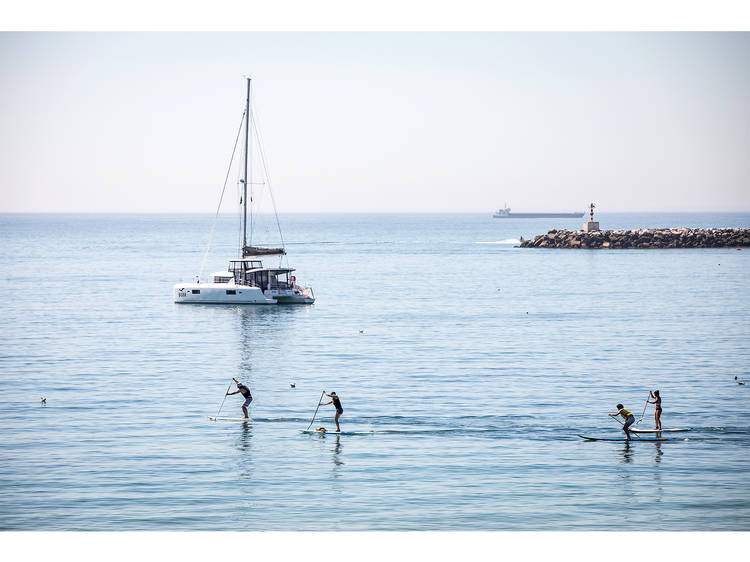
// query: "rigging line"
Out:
[223,189]
[249,157]
[268,177]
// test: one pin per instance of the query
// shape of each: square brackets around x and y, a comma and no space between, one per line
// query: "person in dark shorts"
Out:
[627,416]
[337,404]
[245,391]
[657,407]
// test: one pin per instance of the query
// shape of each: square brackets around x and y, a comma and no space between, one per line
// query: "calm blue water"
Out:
[478,365]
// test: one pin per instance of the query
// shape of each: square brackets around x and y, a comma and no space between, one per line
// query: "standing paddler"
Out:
[337,404]
[245,391]
[627,416]
[657,407]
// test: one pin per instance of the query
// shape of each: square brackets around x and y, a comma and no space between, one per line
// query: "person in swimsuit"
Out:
[337,404]
[245,391]
[627,416]
[657,407]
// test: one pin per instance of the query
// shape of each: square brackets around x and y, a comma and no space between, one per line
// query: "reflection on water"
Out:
[244,439]
[659,489]
[337,448]
[628,490]
[260,326]
[627,455]
[658,452]
[243,443]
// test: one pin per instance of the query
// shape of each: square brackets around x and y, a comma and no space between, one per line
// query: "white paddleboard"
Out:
[634,440]
[214,418]
[659,430]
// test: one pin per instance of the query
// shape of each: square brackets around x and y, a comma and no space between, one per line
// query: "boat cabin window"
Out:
[196,291]
[260,279]
[281,280]
[241,269]
[231,292]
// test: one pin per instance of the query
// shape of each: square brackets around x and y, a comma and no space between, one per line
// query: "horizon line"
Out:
[704,211]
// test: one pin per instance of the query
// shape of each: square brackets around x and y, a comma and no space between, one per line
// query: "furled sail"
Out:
[248,251]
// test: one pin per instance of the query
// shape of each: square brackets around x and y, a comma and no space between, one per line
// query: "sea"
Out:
[467,369]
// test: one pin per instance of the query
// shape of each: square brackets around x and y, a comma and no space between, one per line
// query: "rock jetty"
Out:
[648,238]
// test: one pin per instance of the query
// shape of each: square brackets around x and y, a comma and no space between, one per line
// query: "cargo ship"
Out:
[506,214]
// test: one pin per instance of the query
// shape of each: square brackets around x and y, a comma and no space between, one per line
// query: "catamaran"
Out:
[246,280]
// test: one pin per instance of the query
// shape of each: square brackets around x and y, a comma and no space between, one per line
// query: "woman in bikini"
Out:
[657,407]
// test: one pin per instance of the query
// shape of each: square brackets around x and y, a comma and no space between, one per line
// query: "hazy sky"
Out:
[378,122]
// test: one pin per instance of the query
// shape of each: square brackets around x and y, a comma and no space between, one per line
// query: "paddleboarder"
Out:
[337,404]
[657,407]
[245,391]
[627,416]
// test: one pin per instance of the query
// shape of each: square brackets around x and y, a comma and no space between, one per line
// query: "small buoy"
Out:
[361,331]
[292,385]
[739,248]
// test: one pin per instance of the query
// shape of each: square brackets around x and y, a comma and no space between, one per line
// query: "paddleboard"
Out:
[214,418]
[337,432]
[659,430]
[634,440]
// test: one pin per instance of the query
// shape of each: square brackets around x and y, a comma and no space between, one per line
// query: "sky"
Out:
[377,122]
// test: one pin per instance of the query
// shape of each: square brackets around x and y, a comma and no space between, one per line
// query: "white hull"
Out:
[291,296]
[229,293]
[219,293]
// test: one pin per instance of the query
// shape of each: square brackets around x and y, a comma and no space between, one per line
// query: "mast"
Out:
[244,175]
[252,250]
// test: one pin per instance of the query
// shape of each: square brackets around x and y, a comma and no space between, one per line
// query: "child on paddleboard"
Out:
[627,416]
[245,391]
[337,404]
[657,407]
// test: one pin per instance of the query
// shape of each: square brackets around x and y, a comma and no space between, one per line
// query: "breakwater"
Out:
[642,238]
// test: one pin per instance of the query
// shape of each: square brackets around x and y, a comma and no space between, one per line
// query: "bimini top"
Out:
[272,269]
[252,265]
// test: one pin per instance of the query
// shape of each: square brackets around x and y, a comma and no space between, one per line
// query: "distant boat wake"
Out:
[507,241]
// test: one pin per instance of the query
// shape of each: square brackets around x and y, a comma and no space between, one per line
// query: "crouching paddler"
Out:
[627,416]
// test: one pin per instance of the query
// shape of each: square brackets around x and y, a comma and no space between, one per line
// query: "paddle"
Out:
[643,413]
[225,397]
[316,409]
